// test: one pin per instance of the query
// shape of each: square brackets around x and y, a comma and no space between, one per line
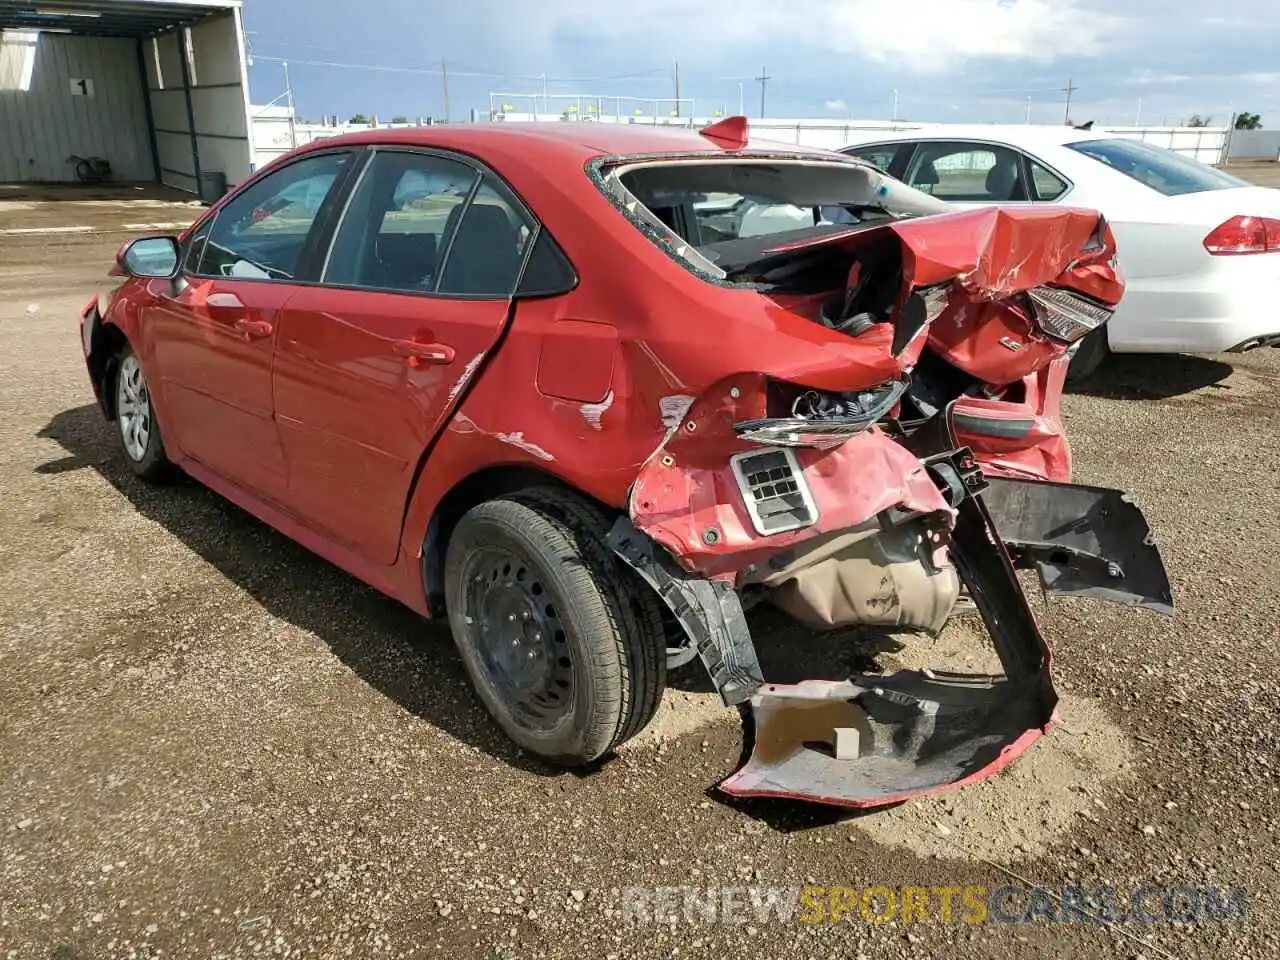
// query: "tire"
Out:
[563,643]
[1089,355]
[137,428]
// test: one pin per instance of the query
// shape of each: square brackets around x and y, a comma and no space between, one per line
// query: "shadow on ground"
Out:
[408,659]
[1152,376]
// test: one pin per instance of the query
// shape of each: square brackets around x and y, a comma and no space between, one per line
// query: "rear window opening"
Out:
[723,217]
[1164,171]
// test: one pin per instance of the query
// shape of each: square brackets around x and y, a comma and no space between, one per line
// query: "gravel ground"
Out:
[213,744]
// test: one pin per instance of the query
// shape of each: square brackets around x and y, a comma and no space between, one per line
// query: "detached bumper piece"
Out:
[877,740]
[1083,541]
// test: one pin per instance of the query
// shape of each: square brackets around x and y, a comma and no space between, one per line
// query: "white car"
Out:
[1187,233]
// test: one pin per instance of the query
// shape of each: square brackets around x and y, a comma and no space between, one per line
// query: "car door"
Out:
[214,332]
[416,289]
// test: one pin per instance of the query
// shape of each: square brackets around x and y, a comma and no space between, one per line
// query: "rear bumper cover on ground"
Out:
[874,740]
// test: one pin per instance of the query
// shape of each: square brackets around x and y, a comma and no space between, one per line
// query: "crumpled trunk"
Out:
[797,481]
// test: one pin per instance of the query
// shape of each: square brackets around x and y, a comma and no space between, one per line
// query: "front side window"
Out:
[261,233]
[1162,170]
[967,173]
[398,225]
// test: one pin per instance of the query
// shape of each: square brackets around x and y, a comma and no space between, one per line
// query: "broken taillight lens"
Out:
[816,418]
[1243,234]
[1064,315]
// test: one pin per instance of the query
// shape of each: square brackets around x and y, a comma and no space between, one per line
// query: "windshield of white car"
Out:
[694,207]
[1162,170]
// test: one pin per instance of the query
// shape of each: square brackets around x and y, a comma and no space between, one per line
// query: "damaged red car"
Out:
[589,391]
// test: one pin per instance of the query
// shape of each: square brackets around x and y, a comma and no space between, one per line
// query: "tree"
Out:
[359,118]
[399,119]
[1248,121]
[1198,121]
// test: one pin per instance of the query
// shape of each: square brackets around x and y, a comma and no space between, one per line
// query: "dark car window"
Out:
[484,257]
[881,155]
[260,234]
[1162,170]
[967,172]
[399,223]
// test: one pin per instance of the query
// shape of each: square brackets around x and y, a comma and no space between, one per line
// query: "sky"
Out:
[1141,61]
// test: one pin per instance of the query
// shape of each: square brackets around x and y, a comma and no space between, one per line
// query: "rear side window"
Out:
[1047,184]
[399,222]
[1162,170]
[881,156]
[261,233]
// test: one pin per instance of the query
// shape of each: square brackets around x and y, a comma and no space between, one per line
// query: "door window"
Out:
[966,172]
[262,232]
[487,250]
[399,223]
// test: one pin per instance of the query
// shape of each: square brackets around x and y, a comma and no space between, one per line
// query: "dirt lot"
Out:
[213,744]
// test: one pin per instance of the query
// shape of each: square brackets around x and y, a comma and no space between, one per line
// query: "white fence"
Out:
[275,131]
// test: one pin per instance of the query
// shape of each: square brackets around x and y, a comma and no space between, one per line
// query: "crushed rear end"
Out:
[901,472]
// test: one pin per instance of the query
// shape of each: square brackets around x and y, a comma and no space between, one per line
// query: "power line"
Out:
[435,71]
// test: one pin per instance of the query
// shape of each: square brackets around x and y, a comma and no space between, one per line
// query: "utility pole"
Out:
[444,82]
[763,79]
[1137,120]
[1069,89]
[293,122]
[895,104]
[545,106]
[742,111]
[677,65]
[1028,120]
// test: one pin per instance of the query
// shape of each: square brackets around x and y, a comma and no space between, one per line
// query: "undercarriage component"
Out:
[916,731]
[708,610]
[1083,541]
[877,574]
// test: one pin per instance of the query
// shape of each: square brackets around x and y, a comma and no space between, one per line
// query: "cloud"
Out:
[836,106]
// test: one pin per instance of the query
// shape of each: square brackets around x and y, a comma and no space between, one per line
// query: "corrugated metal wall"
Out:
[42,126]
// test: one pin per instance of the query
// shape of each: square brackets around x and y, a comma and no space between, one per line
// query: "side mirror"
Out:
[149,257]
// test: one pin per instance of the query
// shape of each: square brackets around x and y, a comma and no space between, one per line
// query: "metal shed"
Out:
[157,88]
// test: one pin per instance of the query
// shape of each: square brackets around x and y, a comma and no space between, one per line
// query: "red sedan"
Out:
[587,389]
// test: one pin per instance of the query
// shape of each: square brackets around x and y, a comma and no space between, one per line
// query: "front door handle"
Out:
[254,329]
[418,353]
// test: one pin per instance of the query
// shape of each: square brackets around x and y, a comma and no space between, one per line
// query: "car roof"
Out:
[1017,134]
[575,141]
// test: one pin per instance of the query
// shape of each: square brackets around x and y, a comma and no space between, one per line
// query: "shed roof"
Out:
[107,18]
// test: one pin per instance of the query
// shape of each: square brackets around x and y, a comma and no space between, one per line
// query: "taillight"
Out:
[1064,315]
[1244,235]
[799,417]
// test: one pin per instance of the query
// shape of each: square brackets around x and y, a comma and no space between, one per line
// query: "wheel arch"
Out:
[105,345]
[487,483]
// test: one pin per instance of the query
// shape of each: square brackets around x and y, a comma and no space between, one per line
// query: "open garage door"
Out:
[156,88]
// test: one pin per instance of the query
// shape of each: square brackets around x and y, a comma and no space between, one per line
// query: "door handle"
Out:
[418,352]
[254,329]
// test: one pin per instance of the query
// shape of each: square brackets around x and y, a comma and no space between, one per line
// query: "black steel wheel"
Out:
[564,644]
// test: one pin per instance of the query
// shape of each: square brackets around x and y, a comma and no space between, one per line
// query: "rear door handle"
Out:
[254,329]
[418,352]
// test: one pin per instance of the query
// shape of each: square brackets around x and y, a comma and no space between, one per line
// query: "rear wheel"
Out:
[1088,356]
[137,427]
[565,646]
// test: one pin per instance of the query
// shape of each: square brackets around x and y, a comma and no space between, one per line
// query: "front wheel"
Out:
[565,645]
[137,427]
